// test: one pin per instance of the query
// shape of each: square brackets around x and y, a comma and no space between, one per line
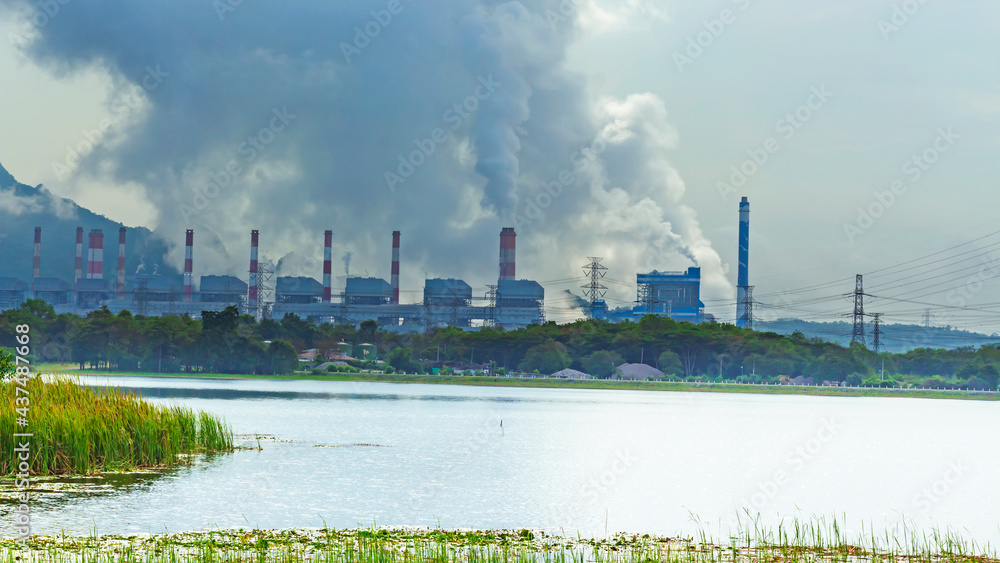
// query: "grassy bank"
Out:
[76,430]
[796,543]
[574,384]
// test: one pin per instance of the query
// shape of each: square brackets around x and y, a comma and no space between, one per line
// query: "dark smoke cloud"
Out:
[261,121]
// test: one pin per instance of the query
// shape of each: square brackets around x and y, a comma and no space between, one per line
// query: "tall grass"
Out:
[78,430]
[797,542]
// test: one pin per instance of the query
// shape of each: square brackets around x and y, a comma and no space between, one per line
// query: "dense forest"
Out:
[226,342]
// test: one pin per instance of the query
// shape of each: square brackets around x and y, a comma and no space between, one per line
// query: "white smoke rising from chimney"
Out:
[318,128]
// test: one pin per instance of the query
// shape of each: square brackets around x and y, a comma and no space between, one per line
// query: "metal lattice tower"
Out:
[877,332]
[647,297]
[491,296]
[265,291]
[927,318]
[140,296]
[858,335]
[748,308]
[594,291]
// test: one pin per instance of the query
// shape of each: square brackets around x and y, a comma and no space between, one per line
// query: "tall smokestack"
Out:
[507,259]
[78,268]
[188,264]
[327,265]
[394,280]
[743,276]
[252,290]
[120,289]
[95,255]
[36,264]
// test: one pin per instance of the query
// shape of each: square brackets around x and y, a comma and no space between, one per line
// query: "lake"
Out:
[567,460]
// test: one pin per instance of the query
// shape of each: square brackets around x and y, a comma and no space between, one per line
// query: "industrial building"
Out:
[511,303]
[670,294]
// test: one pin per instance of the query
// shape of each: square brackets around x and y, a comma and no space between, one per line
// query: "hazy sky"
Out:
[839,98]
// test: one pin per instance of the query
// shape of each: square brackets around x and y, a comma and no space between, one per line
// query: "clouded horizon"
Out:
[863,133]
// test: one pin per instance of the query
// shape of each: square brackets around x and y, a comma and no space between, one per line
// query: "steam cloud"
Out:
[258,120]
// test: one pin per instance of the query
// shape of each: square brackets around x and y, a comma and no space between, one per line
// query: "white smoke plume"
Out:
[287,117]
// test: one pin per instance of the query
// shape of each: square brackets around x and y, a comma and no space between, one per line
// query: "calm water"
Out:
[570,460]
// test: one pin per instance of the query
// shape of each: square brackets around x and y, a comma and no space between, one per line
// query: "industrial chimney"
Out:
[507,260]
[36,264]
[120,289]
[188,264]
[78,267]
[394,273]
[743,314]
[252,289]
[327,265]
[95,255]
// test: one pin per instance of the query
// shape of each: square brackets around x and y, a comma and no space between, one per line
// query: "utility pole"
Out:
[858,335]
[593,290]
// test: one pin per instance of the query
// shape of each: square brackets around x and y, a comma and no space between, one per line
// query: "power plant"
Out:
[510,303]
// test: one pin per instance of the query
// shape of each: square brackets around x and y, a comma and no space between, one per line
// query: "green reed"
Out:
[813,541]
[79,430]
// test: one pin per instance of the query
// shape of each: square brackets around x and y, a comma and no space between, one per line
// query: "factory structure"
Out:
[675,294]
[510,303]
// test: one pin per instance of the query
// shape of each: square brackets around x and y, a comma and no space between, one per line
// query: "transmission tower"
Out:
[748,308]
[594,290]
[265,291]
[491,311]
[927,318]
[858,334]
[877,332]
[140,296]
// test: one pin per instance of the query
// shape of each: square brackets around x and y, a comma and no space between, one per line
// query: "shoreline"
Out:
[597,384]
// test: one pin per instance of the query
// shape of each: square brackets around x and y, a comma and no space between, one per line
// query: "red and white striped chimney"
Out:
[252,289]
[507,260]
[120,289]
[36,264]
[78,267]
[327,265]
[95,255]
[188,264]
[394,273]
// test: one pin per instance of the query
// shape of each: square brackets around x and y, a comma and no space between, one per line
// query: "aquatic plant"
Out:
[77,429]
[813,541]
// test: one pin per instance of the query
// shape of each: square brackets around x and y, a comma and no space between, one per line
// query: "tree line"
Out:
[227,342]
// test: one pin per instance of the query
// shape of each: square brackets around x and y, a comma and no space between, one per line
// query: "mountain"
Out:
[22,208]
[895,338]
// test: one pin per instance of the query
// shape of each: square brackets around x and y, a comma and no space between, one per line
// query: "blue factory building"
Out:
[670,294]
